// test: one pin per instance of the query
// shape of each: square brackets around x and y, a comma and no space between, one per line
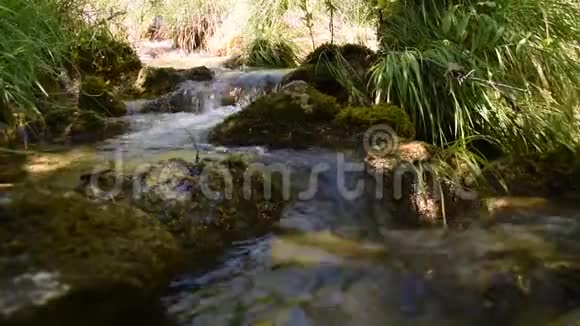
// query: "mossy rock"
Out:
[296,116]
[96,95]
[317,69]
[363,118]
[98,52]
[159,81]
[202,204]
[78,126]
[553,175]
[98,254]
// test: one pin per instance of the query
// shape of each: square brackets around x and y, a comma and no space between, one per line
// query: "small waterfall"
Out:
[204,106]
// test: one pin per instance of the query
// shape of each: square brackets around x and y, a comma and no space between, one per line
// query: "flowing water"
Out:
[332,261]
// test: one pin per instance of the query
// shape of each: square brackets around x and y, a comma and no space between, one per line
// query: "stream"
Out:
[332,261]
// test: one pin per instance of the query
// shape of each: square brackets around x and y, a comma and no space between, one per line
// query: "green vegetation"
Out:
[341,71]
[34,45]
[96,95]
[88,243]
[504,71]
[263,52]
[46,46]
[96,51]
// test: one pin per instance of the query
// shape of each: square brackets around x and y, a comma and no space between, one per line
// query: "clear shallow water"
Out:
[349,269]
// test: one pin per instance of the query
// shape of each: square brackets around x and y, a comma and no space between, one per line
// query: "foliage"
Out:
[341,71]
[190,23]
[307,20]
[42,41]
[34,44]
[502,70]
[96,51]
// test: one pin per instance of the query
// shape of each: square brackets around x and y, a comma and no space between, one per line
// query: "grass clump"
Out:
[36,36]
[269,52]
[500,70]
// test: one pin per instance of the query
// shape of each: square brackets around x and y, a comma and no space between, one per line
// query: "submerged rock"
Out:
[206,205]
[96,95]
[159,81]
[63,257]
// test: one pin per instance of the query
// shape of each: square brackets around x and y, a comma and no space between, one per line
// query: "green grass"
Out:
[504,71]
[36,36]
[271,52]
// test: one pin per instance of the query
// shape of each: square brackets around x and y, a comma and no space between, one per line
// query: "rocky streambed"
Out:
[215,208]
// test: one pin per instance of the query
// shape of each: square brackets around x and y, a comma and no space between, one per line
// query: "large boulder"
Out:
[97,96]
[65,260]
[322,67]
[206,204]
[158,81]
[413,188]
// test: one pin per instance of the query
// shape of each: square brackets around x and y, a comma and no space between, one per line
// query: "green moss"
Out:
[293,117]
[96,95]
[363,118]
[78,126]
[90,245]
